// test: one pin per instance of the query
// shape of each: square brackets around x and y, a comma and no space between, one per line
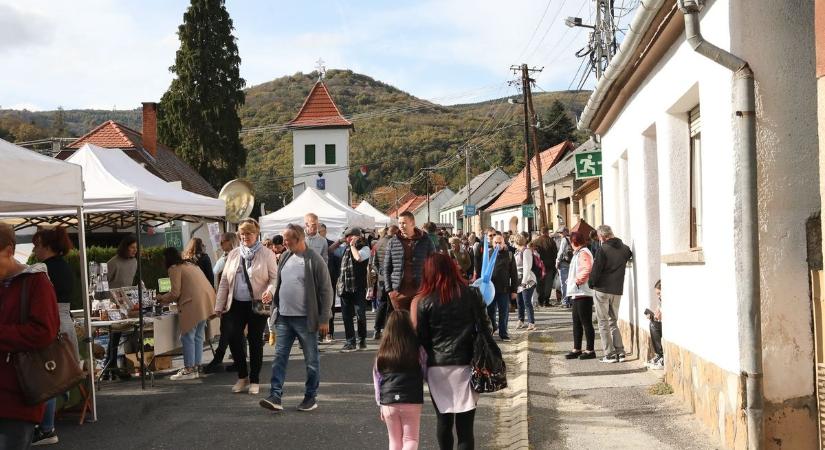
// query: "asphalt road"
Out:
[204,413]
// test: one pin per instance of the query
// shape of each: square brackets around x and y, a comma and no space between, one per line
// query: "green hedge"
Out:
[152,267]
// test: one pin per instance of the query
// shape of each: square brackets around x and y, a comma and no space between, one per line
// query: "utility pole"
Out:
[530,134]
[469,191]
[599,46]
[427,172]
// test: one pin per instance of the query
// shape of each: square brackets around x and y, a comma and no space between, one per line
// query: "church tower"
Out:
[320,145]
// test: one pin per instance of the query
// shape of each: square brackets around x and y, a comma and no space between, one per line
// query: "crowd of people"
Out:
[281,289]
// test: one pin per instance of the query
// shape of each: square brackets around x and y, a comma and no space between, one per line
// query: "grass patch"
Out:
[660,388]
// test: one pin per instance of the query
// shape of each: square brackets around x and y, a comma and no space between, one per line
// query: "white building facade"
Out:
[452,211]
[437,200]
[668,160]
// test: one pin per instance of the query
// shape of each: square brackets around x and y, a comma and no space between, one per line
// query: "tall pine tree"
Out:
[198,115]
[555,126]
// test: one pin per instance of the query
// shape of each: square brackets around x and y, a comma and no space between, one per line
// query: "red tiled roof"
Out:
[165,164]
[401,201]
[517,191]
[410,204]
[319,111]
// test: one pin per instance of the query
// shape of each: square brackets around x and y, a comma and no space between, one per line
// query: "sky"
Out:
[115,54]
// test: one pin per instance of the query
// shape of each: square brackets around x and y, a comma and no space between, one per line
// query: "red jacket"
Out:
[37,333]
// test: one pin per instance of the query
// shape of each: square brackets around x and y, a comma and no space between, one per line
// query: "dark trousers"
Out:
[332,316]
[463,425]
[545,285]
[240,316]
[16,434]
[383,310]
[223,342]
[656,338]
[352,304]
[500,304]
[583,322]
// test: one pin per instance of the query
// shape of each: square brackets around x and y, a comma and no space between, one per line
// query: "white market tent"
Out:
[336,218]
[361,220]
[380,218]
[33,182]
[120,193]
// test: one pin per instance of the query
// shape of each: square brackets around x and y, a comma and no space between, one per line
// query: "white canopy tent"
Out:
[30,181]
[380,218]
[336,218]
[361,220]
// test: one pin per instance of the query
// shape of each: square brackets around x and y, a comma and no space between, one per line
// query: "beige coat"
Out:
[193,292]
[263,273]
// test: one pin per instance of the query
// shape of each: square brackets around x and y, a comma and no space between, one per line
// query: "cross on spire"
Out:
[322,69]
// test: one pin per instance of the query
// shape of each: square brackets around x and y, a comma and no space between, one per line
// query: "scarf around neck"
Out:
[248,253]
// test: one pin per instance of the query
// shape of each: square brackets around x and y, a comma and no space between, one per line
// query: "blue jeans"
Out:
[193,345]
[563,269]
[501,302]
[288,329]
[525,301]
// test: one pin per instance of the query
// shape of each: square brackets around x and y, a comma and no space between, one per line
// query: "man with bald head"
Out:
[314,240]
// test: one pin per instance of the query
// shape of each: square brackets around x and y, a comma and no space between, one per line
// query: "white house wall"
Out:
[337,182]
[646,188]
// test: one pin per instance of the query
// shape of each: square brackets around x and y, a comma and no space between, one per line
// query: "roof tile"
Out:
[319,111]
[516,192]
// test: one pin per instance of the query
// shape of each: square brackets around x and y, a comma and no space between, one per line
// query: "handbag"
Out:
[489,373]
[258,306]
[47,372]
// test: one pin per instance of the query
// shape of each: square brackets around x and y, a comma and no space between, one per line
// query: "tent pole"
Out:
[87,319]
[140,302]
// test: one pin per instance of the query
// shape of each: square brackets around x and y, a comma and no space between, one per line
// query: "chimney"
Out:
[150,127]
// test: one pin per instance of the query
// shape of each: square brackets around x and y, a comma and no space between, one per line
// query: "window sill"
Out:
[692,257]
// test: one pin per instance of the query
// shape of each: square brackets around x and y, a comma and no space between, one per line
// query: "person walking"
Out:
[302,300]
[195,252]
[404,261]
[352,284]
[548,251]
[250,275]
[315,241]
[607,282]
[449,313]
[228,242]
[563,259]
[506,282]
[581,297]
[51,245]
[478,253]
[461,257]
[524,268]
[120,272]
[196,301]
[384,305]
[398,378]
[18,418]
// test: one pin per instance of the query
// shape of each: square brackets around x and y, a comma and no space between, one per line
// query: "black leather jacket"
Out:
[446,331]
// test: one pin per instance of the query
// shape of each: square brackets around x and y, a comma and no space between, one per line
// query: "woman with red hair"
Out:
[581,296]
[449,312]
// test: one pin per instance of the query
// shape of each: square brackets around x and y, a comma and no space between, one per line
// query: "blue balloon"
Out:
[488,291]
[483,283]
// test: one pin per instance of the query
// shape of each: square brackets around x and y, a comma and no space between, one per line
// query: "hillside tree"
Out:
[555,126]
[198,115]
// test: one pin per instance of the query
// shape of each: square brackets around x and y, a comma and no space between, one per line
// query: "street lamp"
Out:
[576,22]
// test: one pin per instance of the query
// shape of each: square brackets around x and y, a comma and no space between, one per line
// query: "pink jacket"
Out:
[263,274]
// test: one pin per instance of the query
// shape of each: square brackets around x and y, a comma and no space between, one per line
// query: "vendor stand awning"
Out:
[381,219]
[311,200]
[33,182]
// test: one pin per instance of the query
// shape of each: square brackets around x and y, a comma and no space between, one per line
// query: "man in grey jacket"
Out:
[302,305]
[314,240]
[607,280]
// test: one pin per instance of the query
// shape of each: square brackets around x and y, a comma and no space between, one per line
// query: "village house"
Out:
[569,199]
[708,178]
[481,185]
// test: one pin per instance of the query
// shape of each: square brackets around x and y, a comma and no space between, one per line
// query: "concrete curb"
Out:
[511,404]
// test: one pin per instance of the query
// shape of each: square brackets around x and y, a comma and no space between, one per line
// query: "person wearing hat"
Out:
[352,286]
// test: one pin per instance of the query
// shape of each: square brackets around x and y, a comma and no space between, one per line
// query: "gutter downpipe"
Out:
[747,277]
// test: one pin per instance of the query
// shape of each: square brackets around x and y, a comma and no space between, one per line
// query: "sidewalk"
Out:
[575,404]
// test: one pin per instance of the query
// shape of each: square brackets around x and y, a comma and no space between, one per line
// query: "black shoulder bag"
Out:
[47,372]
[489,373]
[258,306]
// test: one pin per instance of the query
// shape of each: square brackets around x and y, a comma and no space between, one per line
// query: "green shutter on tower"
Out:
[329,151]
[309,155]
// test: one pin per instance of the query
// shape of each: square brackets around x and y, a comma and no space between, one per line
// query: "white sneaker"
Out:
[241,386]
[254,389]
[185,374]
[531,326]
[520,325]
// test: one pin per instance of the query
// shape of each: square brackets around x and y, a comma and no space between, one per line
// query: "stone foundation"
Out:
[716,398]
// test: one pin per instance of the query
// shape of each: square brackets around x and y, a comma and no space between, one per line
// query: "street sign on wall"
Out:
[588,165]
[321,184]
[528,211]
[469,210]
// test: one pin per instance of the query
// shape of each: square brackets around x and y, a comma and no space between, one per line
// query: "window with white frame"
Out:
[695,126]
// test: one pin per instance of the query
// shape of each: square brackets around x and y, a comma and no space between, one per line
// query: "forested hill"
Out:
[395,133]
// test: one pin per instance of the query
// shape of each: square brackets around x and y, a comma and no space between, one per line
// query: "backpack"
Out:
[568,254]
[538,266]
